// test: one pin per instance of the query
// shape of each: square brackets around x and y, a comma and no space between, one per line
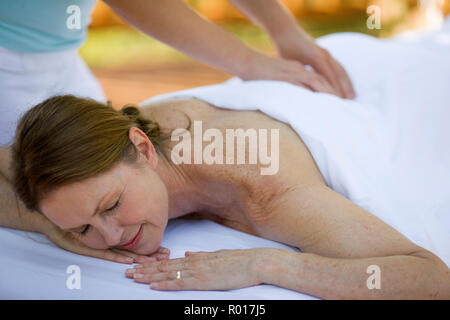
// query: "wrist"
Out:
[38,222]
[287,34]
[294,39]
[249,63]
[268,265]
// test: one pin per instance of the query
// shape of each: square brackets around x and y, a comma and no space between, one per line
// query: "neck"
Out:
[185,190]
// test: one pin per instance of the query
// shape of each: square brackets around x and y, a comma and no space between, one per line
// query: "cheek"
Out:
[145,206]
[134,211]
[93,240]
[151,240]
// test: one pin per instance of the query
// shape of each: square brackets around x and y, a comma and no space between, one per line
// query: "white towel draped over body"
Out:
[389,149]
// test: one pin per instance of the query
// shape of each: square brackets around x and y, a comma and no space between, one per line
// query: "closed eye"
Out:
[85,230]
[110,211]
[114,207]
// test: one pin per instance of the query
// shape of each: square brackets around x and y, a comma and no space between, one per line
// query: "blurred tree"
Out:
[217,10]
[297,7]
[391,10]
[323,6]
[355,4]
[102,15]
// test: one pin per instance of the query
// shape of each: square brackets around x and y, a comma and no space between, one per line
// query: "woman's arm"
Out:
[404,277]
[13,213]
[347,254]
[340,242]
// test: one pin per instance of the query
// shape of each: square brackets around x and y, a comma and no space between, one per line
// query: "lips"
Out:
[133,242]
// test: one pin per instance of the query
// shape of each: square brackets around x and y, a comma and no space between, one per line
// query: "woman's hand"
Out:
[67,241]
[263,67]
[299,46]
[219,270]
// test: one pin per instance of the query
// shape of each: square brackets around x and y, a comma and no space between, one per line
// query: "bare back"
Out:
[252,192]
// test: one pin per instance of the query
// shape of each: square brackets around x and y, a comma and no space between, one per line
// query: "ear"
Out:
[144,146]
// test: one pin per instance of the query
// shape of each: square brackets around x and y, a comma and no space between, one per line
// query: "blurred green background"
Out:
[132,66]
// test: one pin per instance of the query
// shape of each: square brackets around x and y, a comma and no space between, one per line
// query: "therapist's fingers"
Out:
[343,79]
[315,82]
[263,67]
[299,74]
[335,74]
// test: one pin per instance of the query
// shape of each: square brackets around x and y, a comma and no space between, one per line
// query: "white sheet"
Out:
[394,162]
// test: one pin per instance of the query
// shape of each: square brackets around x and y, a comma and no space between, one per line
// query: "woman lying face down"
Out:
[80,169]
[113,208]
[106,177]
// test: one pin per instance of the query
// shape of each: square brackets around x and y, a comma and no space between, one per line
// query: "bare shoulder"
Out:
[172,111]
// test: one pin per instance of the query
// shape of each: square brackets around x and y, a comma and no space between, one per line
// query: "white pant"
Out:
[27,79]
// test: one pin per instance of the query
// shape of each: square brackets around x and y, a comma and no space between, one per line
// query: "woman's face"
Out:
[128,198]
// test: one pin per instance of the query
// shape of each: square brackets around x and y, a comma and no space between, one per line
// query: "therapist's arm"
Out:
[174,23]
[292,42]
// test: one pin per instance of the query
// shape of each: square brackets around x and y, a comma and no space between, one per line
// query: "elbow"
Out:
[440,289]
[437,283]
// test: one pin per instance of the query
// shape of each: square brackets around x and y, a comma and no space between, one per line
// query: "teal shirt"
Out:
[44,25]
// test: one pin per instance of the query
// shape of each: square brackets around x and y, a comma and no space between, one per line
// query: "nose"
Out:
[112,233]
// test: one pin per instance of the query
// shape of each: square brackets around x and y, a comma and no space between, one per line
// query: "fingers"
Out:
[110,256]
[300,75]
[166,275]
[340,80]
[68,242]
[345,81]
[178,264]
[163,266]
[335,74]
[197,253]
[319,84]
[159,276]
[168,281]
[315,82]
[161,254]
[324,67]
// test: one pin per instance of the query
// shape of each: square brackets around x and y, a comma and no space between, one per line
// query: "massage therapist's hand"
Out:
[67,241]
[219,270]
[264,67]
[299,46]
